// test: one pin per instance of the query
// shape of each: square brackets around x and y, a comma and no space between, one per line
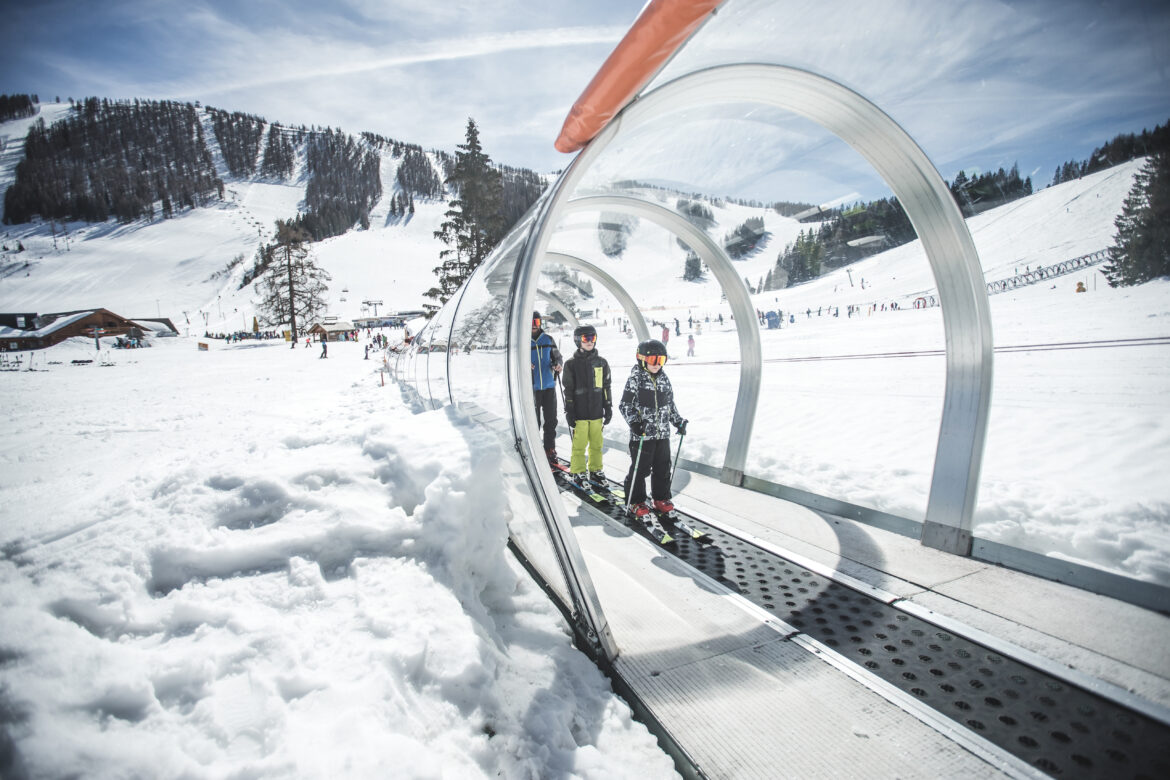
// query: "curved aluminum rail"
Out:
[742,311]
[637,321]
[475,352]
[927,202]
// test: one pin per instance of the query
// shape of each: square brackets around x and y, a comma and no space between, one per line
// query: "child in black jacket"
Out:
[588,403]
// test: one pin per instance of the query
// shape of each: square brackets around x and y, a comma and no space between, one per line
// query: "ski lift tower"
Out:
[374,304]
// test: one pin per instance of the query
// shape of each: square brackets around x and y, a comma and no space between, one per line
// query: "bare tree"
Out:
[294,286]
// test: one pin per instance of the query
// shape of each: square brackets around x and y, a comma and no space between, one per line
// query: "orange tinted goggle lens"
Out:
[653,360]
[587,337]
[536,322]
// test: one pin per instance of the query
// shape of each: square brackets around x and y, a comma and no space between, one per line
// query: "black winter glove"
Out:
[571,422]
[607,416]
[682,428]
[637,429]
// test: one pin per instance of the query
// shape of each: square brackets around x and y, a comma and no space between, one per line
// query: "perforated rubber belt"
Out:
[1057,727]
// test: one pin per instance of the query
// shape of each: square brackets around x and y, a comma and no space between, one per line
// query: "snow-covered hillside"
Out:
[1076,439]
[248,561]
[176,268]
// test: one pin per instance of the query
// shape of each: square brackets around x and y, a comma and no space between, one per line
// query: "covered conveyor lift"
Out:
[739,645]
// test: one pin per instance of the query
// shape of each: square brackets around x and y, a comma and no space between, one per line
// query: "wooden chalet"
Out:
[339,330]
[31,331]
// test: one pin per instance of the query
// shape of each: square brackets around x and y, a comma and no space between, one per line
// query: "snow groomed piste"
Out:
[1015,714]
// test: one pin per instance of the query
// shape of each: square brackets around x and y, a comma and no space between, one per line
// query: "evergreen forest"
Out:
[139,159]
[17,106]
[344,184]
[114,159]
[142,159]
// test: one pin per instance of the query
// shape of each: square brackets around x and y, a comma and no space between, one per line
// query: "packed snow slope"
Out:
[1079,434]
[252,562]
[1077,442]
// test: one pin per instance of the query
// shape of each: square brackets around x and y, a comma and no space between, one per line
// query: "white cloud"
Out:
[430,51]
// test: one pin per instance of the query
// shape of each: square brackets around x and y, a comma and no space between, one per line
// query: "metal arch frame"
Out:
[746,325]
[558,305]
[586,604]
[936,219]
[612,285]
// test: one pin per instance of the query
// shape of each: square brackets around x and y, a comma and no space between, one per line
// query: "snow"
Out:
[251,562]
[1078,440]
[179,268]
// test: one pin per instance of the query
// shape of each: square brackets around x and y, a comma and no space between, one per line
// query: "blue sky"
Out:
[414,71]
[978,84]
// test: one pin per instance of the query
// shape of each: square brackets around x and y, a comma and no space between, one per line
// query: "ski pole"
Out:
[634,474]
[677,452]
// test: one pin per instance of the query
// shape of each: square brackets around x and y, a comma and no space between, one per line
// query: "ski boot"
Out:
[639,511]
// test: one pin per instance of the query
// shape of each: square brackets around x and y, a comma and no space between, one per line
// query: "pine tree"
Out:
[1141,249]
[693,269]
[471,226]
[295,286]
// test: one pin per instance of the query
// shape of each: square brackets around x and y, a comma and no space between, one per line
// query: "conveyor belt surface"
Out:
[1052,724]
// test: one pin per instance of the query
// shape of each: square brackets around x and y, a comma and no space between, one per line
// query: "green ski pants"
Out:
[586,433]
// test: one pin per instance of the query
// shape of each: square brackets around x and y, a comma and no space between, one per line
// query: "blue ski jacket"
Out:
[545,356]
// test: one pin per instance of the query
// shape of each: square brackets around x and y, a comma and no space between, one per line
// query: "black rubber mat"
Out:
[1061,729]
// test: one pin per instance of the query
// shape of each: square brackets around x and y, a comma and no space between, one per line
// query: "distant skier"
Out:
[546,364]
[691,345]
[588,403]
[648,407]
[324,348]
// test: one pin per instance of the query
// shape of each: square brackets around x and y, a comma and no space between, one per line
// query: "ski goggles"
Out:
[589,338]
[536,322]
[653,360]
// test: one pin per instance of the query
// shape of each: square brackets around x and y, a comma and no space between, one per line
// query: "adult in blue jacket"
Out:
[546,364]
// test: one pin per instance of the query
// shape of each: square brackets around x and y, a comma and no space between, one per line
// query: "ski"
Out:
[610,487]
[597,493]
[675,519]
[605,491]
[614,491]
[583,487]
[660,534]
[648,525]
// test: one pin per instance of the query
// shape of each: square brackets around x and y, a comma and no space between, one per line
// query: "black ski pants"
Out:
[546,406]
[655,462]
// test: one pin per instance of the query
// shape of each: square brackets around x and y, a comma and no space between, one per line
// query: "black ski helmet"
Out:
[583,330]
[651,347]
[536,319]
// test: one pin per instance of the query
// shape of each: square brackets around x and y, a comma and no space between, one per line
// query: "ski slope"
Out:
[179,268]
[1077,440]
[1078,437]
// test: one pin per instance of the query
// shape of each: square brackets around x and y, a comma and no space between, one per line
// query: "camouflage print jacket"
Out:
[648,399]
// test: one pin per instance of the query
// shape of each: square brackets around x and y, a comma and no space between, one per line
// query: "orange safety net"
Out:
[661,28]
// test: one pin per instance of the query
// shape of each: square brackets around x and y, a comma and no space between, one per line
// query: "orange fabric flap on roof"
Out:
[661,28]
